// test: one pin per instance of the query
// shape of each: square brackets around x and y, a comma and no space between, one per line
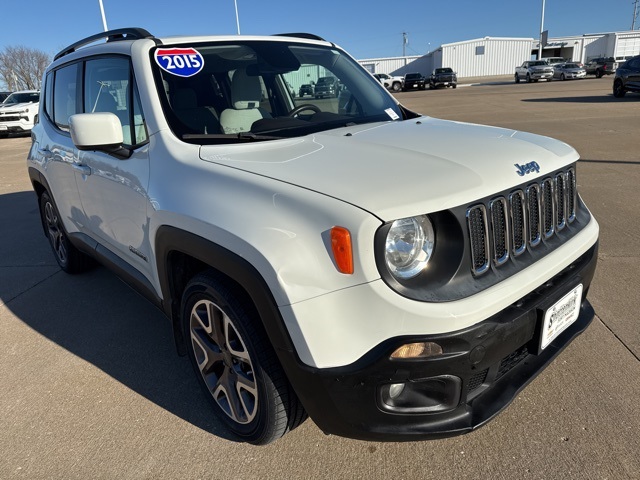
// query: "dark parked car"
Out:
[306,89]
[443,77]
[414,81]
[627,78]
[327,87]
[601,66]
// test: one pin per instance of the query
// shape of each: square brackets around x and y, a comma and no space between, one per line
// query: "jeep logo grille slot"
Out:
[499,230]
[518,222]
[548,207]
[479,235]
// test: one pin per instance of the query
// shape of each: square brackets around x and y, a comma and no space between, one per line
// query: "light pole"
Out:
[104,19]
[541,30]
[235,2]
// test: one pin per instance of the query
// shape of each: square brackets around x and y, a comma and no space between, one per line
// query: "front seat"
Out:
[197,119]
[245,98]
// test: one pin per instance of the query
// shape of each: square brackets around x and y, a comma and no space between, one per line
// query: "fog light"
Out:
[428,395]
[395,389]
[418,350]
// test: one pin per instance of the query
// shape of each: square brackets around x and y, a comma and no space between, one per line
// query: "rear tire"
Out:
[235,363]
[69,258]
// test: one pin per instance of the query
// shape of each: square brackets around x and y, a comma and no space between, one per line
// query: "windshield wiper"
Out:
[230,138]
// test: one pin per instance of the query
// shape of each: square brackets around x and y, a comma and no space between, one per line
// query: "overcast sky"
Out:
[366,29]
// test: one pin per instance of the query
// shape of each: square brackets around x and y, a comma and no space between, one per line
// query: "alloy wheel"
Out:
[224,362]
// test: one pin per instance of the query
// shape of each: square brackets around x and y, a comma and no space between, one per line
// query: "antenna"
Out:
[635,14]
[405,40]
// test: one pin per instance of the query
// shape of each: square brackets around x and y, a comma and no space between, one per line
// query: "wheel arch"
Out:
[40,185]
[181,255]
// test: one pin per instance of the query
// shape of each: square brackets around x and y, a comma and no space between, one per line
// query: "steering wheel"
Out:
[302,108]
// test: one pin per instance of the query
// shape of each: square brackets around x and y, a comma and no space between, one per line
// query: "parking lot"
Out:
[92,387]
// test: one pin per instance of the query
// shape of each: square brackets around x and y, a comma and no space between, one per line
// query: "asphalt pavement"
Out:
[92,387]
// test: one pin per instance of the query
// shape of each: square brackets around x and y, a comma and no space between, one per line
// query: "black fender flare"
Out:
[169,240]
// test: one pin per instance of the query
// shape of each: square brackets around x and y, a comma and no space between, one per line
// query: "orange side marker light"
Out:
[342,251]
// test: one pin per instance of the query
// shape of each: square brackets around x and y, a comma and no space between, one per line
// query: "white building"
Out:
[499,56]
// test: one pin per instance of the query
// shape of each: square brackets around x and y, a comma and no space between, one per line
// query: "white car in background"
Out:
[390,82]
[19,112]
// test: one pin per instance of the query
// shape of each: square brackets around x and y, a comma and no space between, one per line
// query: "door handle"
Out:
[83,169]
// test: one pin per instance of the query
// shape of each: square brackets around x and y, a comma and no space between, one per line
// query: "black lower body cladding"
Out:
[481,371]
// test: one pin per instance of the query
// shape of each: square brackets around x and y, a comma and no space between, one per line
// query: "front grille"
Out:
[508,225]
[9,118]
[511,361]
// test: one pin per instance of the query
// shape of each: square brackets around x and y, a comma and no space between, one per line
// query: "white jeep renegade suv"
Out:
[394,276]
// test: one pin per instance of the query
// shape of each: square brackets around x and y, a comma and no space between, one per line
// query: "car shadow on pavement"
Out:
[591,99]
[96,317]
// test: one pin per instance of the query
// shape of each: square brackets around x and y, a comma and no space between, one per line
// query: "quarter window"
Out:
[65,95]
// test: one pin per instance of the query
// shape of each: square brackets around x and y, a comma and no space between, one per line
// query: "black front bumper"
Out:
[491,362]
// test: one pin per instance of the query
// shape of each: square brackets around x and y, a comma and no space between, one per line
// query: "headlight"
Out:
[408,246]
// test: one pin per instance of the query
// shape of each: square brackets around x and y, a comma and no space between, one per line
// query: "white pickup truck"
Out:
[390,82]
[534,70]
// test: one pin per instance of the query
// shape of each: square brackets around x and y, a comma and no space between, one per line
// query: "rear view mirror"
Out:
[98,132]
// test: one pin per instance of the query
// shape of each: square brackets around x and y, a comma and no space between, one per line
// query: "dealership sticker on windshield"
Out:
[183,62]
[561,315]
[393,115]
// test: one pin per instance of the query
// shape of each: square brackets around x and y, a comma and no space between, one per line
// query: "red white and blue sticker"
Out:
[183,62]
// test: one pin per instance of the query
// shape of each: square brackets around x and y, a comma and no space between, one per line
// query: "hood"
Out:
[17,106]
[403,168]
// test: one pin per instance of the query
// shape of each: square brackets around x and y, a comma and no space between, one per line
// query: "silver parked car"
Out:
[568,71]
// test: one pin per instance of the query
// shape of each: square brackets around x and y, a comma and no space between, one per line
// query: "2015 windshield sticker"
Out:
[183,62]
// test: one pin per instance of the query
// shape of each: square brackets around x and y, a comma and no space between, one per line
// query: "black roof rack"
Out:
[110,35]
[308,36]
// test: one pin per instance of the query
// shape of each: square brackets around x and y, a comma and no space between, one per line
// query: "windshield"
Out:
[538,64]
[444,70]
[15,98]
[247,91]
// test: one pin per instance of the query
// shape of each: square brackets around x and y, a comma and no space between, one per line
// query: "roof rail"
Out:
[308,36]
[110,35]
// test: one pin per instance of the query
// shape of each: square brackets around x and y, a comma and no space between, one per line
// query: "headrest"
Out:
[245,90]
[185,98]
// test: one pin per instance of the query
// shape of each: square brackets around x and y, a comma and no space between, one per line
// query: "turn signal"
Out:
[342,251]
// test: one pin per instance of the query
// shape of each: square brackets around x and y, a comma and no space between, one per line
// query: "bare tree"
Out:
[21,68]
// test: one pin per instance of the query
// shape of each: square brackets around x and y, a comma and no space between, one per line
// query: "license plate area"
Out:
[560,316]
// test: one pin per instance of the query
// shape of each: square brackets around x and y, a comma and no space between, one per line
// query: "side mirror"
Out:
[100,131]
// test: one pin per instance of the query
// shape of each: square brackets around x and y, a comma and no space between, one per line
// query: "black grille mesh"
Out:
[540,209]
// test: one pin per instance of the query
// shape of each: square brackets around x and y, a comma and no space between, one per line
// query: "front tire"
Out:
[618,89]
[528,78]
[235,362]
[396,87]
[598,73]
[517,78]
[69,258]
